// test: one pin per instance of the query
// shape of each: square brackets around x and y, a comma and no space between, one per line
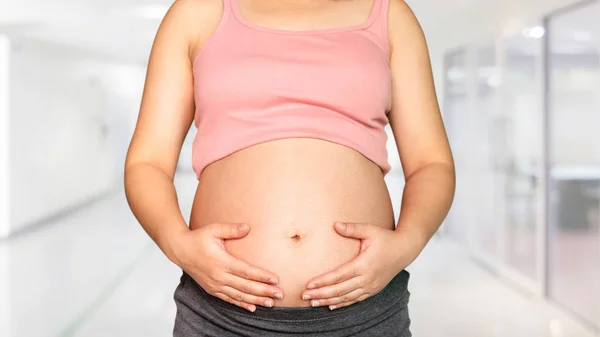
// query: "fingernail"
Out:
[278,295]
[269,303]
[315,303]
[273,281]
[306,297]
[341,225]
[332,307]
[252,308]
[312,286]
[243,227]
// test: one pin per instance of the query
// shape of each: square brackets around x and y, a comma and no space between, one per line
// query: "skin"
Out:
[167,112]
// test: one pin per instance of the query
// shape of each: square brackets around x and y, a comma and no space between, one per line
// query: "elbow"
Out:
[440,168]
[441,174]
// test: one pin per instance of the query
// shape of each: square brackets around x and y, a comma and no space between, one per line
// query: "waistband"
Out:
[394,295]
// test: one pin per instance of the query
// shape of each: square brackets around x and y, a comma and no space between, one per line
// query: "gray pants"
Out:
[383,315]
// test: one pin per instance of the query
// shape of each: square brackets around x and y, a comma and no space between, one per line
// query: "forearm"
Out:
[427,197]
[153,200]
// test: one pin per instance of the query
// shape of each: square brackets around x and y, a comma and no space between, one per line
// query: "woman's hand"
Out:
[201,253]
[383,254]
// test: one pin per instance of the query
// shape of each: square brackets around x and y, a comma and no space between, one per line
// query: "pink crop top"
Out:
[254,84]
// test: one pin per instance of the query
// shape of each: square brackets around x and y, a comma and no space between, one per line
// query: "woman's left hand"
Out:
[383,254]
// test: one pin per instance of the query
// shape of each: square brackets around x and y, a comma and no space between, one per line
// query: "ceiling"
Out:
[114,28]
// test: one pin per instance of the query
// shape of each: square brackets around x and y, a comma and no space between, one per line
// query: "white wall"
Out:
[184,164]
[70,119]
[4,264]
[124,85]
[4,125]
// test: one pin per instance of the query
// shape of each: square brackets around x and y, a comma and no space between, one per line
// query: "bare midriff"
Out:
[291,192]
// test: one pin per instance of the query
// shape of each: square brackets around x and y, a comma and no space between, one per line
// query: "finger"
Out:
[353,230]
[340,274]
[229,231]
[226,298]
[351,296]
[333,307]
[247,298]
[253,287]
[336,290]
[244,270]
[345,304]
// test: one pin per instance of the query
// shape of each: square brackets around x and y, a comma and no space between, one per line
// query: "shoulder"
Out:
[195,9]
[404,27]
[400,13]
[190,21]
[185,14]
[190,17]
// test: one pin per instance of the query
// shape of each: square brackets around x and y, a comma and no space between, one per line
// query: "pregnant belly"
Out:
[291,192]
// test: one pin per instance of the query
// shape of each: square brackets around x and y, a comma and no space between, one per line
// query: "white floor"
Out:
[96,274]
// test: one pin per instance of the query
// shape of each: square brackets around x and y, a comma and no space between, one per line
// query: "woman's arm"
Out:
[165,116]
[417,126]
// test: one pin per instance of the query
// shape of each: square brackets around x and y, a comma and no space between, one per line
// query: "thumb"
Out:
[230,231]
[352,230]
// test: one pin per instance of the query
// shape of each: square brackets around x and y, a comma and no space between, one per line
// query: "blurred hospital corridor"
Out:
[518,85]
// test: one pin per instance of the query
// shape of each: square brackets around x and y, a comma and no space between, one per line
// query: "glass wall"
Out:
[455,114]
[574,160]
[494,120]
[484,131]
[528,173]
[520,149]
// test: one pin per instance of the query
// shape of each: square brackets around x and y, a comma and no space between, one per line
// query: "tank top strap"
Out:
[227,7]
[380,22]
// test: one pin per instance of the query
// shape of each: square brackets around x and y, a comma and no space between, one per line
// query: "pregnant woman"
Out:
[292,230]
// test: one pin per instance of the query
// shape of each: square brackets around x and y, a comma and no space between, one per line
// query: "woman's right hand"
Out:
[201,254]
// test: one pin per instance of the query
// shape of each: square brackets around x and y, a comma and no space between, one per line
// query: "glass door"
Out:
[574,160]
[520,145]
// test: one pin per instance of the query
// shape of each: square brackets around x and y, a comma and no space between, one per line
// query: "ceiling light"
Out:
[534,32]
[153,11]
